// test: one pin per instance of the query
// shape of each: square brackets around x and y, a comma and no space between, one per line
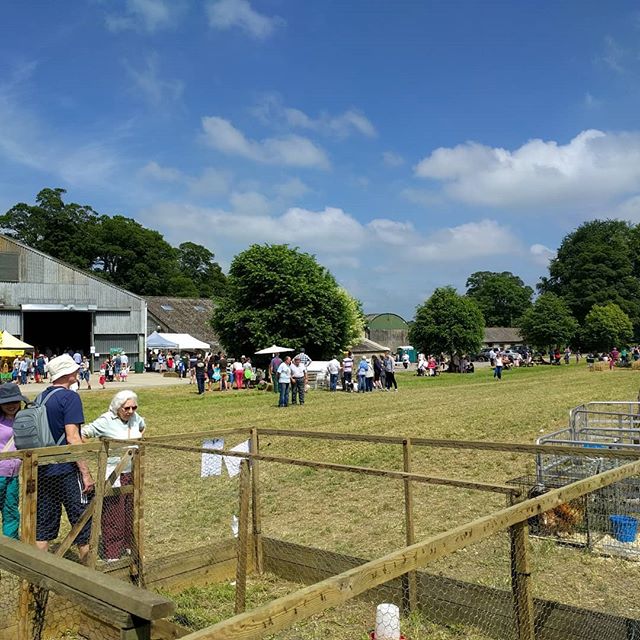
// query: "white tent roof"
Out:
[182,341]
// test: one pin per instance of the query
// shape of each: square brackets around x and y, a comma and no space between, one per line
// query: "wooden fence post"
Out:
[256,509]
[243,531]
[521,581]
[137,551]
[28,518]
[96,519]
[409,586]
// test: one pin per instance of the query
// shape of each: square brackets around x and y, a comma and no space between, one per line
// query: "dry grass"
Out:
[362,515]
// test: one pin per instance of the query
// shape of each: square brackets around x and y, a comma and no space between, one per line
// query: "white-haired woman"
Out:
[121,422]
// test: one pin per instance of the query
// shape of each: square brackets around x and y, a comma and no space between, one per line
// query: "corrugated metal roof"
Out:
[502,334]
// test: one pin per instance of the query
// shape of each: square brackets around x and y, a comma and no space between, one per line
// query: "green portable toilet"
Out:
[408,349]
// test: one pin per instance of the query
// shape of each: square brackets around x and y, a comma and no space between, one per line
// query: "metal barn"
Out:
[58,308]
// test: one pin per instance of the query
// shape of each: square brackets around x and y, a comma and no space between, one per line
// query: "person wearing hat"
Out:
[65,483]
[10,403]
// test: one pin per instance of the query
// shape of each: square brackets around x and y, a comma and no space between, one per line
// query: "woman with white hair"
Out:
[121,422]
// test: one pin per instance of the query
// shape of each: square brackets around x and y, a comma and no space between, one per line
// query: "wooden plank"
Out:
[409,591]
[333,591]
[137,550]
[167,630]
[243,536]
[385,473]
[256,507]
[197,558]
[511,447]
[521,581]
[449,601]
[204,435]
[28,515]
[65,545]
[96,522]
[26,561]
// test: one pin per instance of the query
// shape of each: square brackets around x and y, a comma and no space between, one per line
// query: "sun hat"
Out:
[61,366]
[10,392]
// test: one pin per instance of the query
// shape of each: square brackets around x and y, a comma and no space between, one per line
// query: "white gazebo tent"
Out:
[179,341]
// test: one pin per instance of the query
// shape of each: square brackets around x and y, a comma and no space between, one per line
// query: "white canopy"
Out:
[272,349]
[181,341]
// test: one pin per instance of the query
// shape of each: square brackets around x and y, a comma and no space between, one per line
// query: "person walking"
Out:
[390,372]
[497,370]
[200,374]
[276,361]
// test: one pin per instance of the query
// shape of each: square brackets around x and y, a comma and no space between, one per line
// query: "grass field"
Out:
[361,515]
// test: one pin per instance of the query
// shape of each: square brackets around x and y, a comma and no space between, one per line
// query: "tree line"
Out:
[116,248]
[589,300]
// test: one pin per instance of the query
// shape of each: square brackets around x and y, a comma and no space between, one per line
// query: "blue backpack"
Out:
[31,425]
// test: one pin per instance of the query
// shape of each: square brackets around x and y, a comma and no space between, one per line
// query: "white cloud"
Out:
[149,84]
[226,14]
[271,110]
[541,255]
[211,182]
[146,15]
[627,210]
[290,150]
[392,159]
[592,169]
[291,189]
[162,174]
[250,203]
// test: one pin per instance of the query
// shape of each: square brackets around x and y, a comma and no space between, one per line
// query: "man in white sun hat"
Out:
[66,483]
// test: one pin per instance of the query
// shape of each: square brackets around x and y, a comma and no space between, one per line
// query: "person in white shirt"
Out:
[298,380]
[284,381]
[333,369]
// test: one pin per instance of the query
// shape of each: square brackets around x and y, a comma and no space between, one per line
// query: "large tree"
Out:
[548,323]
[197,263]
[596,264]
[276,294]
[447,323]
[63,230]
[606,326]
[502,297]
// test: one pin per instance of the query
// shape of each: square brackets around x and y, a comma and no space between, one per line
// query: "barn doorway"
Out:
[57,332]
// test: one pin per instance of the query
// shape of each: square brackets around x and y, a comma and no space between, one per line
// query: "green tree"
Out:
[63,230]
[447,323]
[276,294]
[548,323]
[197,263]
[139,259]
[502,297]
[355,317]
[606,326]
[596,264]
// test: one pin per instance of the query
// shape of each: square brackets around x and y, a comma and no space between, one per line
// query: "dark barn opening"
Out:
[57,332]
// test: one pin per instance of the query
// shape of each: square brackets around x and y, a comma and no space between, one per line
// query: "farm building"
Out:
[58,308]
[503,337]
[388,329]
[182,315]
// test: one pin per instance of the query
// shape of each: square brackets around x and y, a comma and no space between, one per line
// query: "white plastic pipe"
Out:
[387,622]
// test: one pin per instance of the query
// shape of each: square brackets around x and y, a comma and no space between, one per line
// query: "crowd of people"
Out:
[70,484]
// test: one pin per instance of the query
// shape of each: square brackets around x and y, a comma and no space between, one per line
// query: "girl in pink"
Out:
[10,403]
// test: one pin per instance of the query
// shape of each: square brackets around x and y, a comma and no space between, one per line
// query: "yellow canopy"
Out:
[12,346]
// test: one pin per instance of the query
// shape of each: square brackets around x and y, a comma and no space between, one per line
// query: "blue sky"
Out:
[406,144]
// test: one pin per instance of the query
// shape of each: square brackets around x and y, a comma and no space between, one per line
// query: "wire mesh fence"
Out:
[259,533]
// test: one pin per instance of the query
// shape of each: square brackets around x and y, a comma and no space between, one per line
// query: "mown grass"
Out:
[363,516]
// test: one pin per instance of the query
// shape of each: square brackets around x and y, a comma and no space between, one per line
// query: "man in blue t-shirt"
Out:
[66,483]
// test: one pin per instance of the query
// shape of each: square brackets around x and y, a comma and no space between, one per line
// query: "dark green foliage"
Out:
[275,294]
[606,326]
[548,323]
[596,264]
[447,323]
[64,231]
[502,297]
[116,248]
